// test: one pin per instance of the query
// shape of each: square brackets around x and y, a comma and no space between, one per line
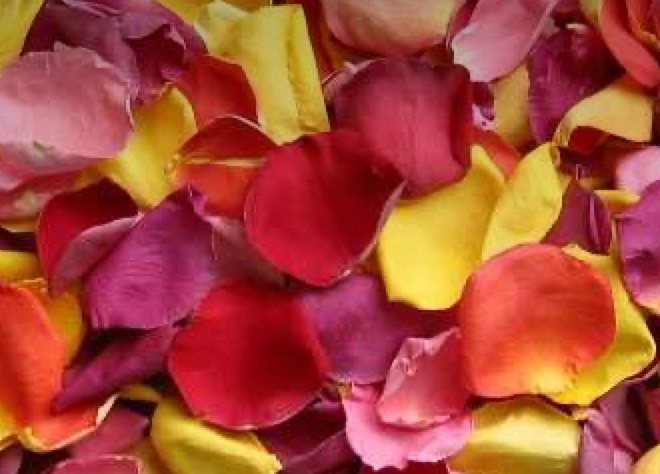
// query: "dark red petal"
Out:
[250,358]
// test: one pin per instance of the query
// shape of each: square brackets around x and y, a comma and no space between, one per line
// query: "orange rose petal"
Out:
[531,319]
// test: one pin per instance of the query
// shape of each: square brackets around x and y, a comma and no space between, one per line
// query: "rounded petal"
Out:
[380,445]
[632,350]
[511,95]
[648,464]
[562,306]
[430,245]
[267,363]
[333,207]
[520,436]
[393,28]
[188,445]
[636,170]
[438,100]
[529,205]
[100,465]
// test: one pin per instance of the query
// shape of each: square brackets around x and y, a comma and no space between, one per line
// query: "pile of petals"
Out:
[329,236]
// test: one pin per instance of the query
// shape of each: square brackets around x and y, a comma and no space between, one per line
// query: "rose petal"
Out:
[334,204]
[273,47]
[314,441]
[600,453]
[648,464]
[17,266]
[511,95]
[142,166]
[100,465]
[413,468]
[376,27]
[637,169]
[380,445]
[490,47]
[362,339]
[118,432]
[630,52]
[438,100]
[156,274]
[425,383]
[186,444]
[217,88]
[623,109]
[268,362]
[632,350]
[564,68]
[533,191]
[503,154]
[569,325]
[636,229]
[25,201]
[584,220]
[10,460]
[16,16]
[520,436]
[35,139]
[67,215]
[121,361]
[430,245]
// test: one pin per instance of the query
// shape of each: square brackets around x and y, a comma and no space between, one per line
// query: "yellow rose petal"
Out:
[273,47]
[623,109]
[520,436]
[160,130]
[429,246]
[64,311]
[141,393]
[511,107]
[633,347]
[16,266]
[189,446]
[149,459]
[617,201]
[16,17]
[529,204]
[649,463]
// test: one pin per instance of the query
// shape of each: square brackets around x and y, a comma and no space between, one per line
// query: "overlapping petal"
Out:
[100,465]
[376,27]
[511,107]
[157,273]
[499,36]
[637,169]
[16,16]
[570,323]
[268,361]
[533,191]
[639,249]
[334,191]
[35,139]
[381,445]
[362,339]
[436,99]
[520,436]
[186,444]
[273,48]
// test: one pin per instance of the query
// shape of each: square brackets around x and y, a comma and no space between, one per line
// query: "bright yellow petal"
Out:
[273,47]
[188,446]
[64,311]
[529,205]
[617,201]
[160,130]
[187,10]
[520,436]
[429,246]
[16,17]
[649,463]
[511,107]
[6,429]
[623,109]
[149,459]
[633,347]
[16,266]
[141,393]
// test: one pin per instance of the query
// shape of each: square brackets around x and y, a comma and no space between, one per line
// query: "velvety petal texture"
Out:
[363,338]
[35,138]
[268,361]
[158,272]
[436,99]
[570,324]
[637,169]
[639,249]
[100,465]
[499,35]
[334,191]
